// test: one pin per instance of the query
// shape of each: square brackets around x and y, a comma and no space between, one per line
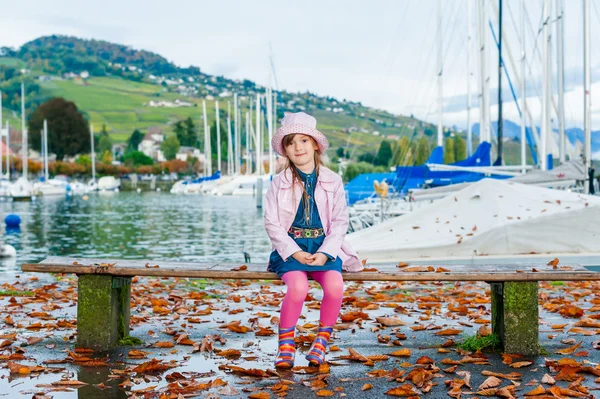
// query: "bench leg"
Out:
[515,316]
[102,310]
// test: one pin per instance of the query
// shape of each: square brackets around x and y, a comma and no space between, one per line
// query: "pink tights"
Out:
[297,287]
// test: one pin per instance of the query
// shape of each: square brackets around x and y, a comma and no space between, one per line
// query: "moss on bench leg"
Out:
[515,316]
[102,310]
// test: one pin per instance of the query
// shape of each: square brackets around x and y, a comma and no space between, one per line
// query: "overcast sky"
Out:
[379,52]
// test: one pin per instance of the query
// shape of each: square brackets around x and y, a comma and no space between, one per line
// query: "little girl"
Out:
[306,219]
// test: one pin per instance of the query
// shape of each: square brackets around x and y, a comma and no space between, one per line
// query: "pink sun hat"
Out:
[302,123]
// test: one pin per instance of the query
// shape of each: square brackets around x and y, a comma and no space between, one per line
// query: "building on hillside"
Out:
[118,150]
[151,142]
[16,141]
[185,153]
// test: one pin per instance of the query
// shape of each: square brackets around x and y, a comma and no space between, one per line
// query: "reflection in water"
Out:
[133,226]
[96,375]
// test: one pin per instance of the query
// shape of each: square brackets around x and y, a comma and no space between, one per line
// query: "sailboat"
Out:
[46,186]
[22,189]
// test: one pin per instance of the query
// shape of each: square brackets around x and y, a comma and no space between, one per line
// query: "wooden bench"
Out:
[104,290]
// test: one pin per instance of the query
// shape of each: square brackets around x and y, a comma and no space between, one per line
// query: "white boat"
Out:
[109,183]
[490,217]
[22,189]
[244,185]
[56,186]
[5,187]
[78,188]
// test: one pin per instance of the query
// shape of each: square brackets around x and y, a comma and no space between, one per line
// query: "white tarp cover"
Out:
[490,217]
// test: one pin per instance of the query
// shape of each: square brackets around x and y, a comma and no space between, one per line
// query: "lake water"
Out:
[157,226]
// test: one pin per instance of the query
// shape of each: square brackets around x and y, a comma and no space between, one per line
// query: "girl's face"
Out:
[300,150]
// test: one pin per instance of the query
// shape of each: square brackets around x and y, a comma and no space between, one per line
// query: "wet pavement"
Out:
[254,305]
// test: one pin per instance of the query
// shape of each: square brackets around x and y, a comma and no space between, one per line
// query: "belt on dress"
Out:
[305,233]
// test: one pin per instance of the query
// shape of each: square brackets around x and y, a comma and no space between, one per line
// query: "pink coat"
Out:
[281,206]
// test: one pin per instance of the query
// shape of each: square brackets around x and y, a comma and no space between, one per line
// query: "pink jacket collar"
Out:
[325,175]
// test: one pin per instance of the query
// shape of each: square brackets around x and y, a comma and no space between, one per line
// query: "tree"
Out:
[134,140]
[68,131]
[190,133]
[105,144]
[384,155]
[429,132]
[106,156]
[423,151]
[170,147]
[449,156]
[179,130]
[137,158]
[460,148]
[340,152]
[403,154]
[366,157]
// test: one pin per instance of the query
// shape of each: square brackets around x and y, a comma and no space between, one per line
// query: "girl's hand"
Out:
[302,257]
[317,259]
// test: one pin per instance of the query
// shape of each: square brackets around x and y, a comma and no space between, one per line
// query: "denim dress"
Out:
[310,245]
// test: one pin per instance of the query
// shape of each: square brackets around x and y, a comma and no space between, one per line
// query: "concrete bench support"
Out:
[102,310]
[515,316]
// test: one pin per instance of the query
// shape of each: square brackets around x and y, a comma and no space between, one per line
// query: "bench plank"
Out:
[257,271]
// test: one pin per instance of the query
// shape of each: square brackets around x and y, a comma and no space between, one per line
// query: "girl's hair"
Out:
[287,140]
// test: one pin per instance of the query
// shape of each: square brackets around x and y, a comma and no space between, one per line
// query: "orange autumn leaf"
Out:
[425,360]
[366,387]
[571,311]
[537,391]
[403,390]
[325,393]
[449,331]
[351,316]
[239,329]
[152,366]
[570,349]
[554,262]
[260,395]
[490,382]
[487,392]
[230,353]
[390,321]
[164,344]
[518,365]
[510,376]
[581,331]
[404,352]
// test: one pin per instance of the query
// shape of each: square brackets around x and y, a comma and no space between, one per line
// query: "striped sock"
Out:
[316,355]
[287,350]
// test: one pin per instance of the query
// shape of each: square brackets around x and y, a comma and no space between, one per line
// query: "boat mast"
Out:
[523,89]
[587,122]
[469,47]
[24,133]
[440,130]
[259,166]
[500,124]
[93,153]
[218,136]
[560,50]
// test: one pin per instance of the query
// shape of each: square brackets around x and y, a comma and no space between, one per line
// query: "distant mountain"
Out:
[513,131]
